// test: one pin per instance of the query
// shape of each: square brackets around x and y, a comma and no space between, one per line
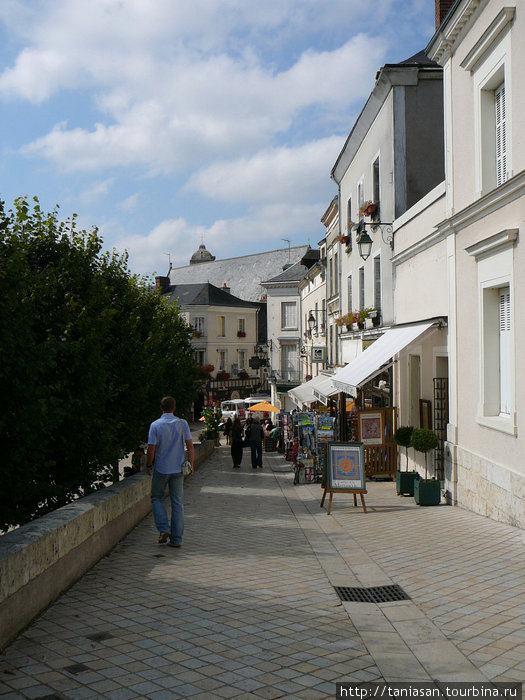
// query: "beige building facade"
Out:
[481,46]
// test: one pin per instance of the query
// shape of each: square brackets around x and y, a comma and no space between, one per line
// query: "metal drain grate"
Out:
[99,636]
[75,669]
[376,594]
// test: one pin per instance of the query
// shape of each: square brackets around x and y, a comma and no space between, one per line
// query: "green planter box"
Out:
[427,492]
[405,483]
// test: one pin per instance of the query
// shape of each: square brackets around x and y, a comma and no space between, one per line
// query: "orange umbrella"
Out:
[264,407]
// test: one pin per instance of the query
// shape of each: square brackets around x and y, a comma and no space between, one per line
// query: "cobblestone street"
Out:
[247,607]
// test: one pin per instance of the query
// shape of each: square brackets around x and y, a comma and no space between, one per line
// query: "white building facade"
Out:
[481,46]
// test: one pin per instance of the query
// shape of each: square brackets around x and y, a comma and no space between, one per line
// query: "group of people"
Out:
[251,435]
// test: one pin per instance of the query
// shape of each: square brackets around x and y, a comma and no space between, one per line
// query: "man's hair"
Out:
[168,404]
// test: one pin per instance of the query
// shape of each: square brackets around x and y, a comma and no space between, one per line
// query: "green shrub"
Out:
[403,436]
[424,440]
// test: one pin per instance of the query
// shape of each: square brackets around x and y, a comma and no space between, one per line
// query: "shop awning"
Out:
[325,389]
[304,393]
[372,360]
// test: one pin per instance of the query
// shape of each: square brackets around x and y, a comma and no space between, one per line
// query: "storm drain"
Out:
[99,636]
[75,669]
[376,594]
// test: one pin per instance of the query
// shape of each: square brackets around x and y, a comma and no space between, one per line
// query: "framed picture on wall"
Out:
[346,470]
[425,413]
[371,428]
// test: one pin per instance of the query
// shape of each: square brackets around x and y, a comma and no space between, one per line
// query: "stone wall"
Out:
[490,489]
[42,559]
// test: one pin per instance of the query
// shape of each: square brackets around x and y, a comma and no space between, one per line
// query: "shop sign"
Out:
[319,354]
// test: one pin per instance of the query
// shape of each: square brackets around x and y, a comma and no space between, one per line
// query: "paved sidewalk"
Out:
[246,608]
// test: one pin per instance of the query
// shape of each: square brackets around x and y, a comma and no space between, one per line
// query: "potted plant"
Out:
[368,208]
[361,315]
[427,492]
[404,480]
[212,419]
[375,315]
[241,334]
[343,239]
[196,333]
[243,374]
[222,375]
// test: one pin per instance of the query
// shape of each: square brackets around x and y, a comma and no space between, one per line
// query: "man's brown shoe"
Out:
[163,537]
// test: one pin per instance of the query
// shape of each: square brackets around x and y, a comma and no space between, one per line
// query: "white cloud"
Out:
[130,203]
[261,230]
[273,175]
[96,191]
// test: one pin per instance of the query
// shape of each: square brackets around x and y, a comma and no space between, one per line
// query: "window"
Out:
[289,362]
[331,275]
[200,357]
[497,382]
[222,359]
[198,325]
[336,274]
[361,287]
[222,326]
[377,282]
[360,194]
[242,359]
[501,134]
[288,314]
[504,351]
[349,215]
[376,185]
[350,299]
[241,325]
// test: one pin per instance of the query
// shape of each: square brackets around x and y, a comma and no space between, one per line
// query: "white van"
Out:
[233,408]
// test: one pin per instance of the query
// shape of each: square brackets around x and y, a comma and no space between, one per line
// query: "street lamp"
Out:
[312,323]
[364,242]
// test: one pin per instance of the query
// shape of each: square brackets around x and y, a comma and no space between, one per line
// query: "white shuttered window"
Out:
[501,135]
[504,350]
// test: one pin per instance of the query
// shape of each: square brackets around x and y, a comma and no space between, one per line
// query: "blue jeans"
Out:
[174,482]
[256,450]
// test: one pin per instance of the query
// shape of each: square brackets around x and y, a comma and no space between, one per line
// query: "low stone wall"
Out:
[490,489]
[42,559]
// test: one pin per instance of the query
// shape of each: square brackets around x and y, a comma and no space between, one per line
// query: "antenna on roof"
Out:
[169,259]
[287,241]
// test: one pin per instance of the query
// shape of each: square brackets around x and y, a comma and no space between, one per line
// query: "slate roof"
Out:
[294,273]
[243,275]
[205,294]
[418,59]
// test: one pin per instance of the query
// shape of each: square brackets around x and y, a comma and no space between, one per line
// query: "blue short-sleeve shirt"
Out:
[165,433]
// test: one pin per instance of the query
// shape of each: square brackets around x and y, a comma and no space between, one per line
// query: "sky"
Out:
[168,123]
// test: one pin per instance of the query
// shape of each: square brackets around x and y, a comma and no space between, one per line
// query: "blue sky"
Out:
[164,121]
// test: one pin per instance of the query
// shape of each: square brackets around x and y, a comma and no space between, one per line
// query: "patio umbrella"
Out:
[264,407]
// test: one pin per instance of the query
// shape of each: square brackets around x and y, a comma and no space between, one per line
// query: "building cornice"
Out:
[488,204]
[493,244]
[488,38]
[424,244]
[448,37]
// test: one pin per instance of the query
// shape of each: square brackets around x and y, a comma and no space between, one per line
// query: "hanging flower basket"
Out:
[368,208]
[241,334]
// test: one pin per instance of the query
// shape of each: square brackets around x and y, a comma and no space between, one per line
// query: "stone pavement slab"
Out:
[247,609]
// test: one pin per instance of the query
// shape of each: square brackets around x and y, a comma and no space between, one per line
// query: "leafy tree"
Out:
[403,437]
[87,350]
[424,440]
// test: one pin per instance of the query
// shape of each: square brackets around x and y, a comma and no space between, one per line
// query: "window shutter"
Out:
[501,135]
[377,282]
[504,349]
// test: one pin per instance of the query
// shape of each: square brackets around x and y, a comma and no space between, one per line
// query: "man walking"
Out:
[166,440]
[256,440]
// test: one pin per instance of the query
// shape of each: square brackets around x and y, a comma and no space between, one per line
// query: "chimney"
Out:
[225,288]
[442,8]
[162,283]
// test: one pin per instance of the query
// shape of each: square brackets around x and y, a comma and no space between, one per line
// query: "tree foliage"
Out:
[87,352]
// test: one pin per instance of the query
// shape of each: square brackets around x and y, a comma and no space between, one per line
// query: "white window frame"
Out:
[488,76]
[241,325]
[223,360]
[221,322]
[199,324]
[377,283]
[241,356]
[286,323]
[495,264]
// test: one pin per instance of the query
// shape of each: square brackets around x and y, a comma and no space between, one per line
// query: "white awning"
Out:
[325,389]
[372,360]
[304,393]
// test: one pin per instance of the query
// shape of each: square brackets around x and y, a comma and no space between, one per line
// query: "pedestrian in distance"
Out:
[237,443]
[138,460]
[165,454]
[227,430]
[256,442]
